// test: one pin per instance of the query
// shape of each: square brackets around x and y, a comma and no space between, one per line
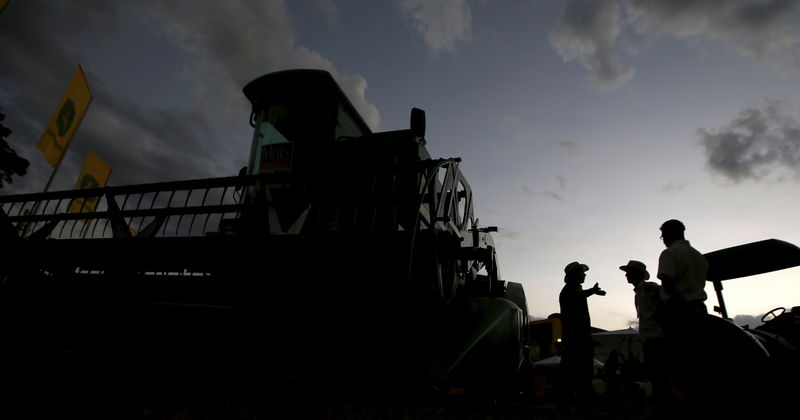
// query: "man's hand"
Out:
[597,290]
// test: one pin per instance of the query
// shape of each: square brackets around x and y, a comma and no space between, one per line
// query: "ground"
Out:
[274,398]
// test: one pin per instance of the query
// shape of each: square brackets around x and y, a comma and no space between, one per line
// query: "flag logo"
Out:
[95,174]
[64,122]
[65,117]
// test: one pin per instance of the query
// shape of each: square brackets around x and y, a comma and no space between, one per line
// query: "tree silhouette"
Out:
[10,162]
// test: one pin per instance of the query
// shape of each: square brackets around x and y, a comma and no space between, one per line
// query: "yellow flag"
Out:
[65,120]
[95,174]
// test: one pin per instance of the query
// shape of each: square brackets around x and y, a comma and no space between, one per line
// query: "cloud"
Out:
[548,192]
[552,194]
[329,9]
[236,41]
[442,23]
[523,133]
[672,187]
[154,146]
[215,49]
[588,33]
[757,28]
[591,32]
[570,146]
[527,190]
[562,181]
[758,144]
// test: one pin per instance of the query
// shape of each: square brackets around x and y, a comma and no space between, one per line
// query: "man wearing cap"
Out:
[682,271]
[578,356]
[647,300]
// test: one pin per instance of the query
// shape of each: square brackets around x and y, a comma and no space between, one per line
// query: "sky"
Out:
[582,125]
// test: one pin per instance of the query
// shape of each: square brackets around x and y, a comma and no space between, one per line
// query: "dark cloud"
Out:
[672,187]
[758,15]
[562,181]
[592,32]
[692,17]
[163,145]
[759,144]
[556,194]
[548,192]
[236,41]
[588,32]
[192,124]
[527,190]
[570,146]
[140,145]
[759,28]
[552,194]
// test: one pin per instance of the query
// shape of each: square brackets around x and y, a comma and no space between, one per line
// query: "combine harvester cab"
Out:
[337,253]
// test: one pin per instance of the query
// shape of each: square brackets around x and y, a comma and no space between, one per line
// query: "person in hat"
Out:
[577,358]
[648,299]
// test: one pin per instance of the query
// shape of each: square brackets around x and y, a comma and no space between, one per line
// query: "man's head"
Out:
[635,272]
[575,272]
[671,231]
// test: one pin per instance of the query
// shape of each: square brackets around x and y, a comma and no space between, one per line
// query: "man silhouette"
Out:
[648,300]
[682,271]
[578,356]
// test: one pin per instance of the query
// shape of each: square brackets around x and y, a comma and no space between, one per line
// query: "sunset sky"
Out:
[583,125]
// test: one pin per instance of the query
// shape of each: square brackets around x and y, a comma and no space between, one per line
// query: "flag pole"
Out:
[35,208]
[52,176]
[63,124]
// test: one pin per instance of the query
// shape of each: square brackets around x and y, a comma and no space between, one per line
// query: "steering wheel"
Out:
[769,316]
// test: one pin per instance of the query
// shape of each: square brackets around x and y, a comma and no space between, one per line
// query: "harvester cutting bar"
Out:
[207,201]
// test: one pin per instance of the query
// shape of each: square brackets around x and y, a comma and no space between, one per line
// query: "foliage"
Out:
[10,163]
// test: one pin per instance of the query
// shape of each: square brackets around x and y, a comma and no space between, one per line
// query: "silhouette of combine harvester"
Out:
[337,253]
